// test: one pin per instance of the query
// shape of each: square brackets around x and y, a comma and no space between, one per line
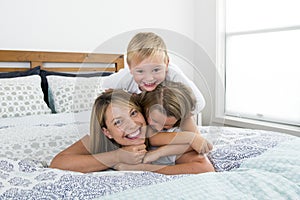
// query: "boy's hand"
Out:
[132,154]
[201,145]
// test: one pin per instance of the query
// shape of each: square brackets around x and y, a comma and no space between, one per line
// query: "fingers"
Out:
[133,154]
[140,147]
[135,148]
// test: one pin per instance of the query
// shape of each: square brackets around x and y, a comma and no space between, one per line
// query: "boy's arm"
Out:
[120,80]
[167,150]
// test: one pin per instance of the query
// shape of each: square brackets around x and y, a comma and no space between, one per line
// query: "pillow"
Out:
[33,71]
[73,94]
[22,96]
[45,73]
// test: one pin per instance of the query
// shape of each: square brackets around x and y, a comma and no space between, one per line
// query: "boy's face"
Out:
[149,73]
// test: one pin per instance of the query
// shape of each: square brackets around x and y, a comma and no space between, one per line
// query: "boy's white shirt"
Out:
[124,80]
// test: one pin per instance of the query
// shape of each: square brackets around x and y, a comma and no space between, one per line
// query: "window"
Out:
[261,60]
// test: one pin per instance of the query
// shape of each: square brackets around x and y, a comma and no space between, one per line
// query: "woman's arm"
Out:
[200,165]
[78,158]
[188,163]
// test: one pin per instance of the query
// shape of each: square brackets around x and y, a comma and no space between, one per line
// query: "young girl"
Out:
[117,138]
[165,108]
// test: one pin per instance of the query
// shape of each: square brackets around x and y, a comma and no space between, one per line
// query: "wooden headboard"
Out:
[39,58]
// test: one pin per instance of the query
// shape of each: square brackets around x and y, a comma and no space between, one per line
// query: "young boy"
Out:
[148,63]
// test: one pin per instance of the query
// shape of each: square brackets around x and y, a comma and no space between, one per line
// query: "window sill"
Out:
[256,124]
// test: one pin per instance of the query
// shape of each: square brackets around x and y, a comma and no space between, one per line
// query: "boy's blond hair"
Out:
[146,44]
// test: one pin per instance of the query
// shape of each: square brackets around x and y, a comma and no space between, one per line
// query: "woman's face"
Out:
[125,125]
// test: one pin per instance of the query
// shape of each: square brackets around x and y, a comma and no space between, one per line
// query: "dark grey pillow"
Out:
[33,71]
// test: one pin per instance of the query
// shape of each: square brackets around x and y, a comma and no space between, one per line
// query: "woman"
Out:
[117,140]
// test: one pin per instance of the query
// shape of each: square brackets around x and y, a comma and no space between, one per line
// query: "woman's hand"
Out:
[132,154]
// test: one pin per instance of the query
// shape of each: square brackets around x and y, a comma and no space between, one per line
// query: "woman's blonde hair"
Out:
[98,141]
[170,98]
[144,45]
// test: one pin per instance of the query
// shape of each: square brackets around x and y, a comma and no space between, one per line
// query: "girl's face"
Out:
[125,125]
[150,72]
[159,121]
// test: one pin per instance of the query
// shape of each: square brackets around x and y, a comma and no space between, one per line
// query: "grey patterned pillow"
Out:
[73,94]
[22,96]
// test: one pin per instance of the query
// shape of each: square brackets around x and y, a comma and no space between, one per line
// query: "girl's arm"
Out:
[78,158]
[195,140]
[166,150]
[189,124]
[189,135]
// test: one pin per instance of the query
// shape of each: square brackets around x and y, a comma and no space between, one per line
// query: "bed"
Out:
[250,164]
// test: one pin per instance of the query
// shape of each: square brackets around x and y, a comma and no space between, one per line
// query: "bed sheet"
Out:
[272,175]
[41,137]
[28,144]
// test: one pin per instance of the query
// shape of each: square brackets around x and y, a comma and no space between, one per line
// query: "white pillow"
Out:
[73,94]
[22,96]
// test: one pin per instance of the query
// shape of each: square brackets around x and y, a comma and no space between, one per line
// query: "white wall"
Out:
[187,26]
[205,54]
[78,25]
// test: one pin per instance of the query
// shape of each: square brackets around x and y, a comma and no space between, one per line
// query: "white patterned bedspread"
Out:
[28,144]
[41,137]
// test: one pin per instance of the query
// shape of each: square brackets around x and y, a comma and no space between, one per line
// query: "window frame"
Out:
[220,117]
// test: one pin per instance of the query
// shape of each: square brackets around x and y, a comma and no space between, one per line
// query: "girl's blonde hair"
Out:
[170,98]
[144,45]
[98,141]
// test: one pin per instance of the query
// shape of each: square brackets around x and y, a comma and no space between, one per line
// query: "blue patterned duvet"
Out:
[250,164]
[272,175]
